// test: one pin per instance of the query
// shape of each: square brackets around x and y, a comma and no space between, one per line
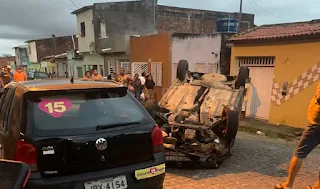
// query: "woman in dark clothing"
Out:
[149,91]
[150,83]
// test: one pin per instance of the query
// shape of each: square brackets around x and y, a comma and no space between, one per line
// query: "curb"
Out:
[265,132]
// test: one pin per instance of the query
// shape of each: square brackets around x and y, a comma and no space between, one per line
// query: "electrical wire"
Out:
[74,4]
[268,11]
[256,11]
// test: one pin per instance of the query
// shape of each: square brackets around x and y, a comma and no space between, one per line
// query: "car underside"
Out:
[199,116]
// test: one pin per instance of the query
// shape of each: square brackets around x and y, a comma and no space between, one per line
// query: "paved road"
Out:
[258,162]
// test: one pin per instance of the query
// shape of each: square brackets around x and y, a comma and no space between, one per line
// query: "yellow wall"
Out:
[292,59]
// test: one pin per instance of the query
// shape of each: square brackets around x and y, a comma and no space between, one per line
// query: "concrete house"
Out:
[105,29]
[40,48]
[284,70]
[21,54]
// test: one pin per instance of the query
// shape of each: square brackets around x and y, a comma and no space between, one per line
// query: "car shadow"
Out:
[251,153]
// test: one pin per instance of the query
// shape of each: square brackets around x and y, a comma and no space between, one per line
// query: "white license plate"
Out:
[119,182]
[177,158]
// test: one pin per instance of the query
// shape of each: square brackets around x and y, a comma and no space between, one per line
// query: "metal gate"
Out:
[139,68]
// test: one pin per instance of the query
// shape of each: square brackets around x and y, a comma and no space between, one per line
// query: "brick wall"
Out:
[183,20]
[45,47]
[6,60]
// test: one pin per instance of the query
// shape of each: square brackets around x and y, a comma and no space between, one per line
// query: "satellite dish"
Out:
[92,47]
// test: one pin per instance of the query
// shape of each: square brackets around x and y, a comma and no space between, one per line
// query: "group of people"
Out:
[94,76]
[7,76]
[140,86]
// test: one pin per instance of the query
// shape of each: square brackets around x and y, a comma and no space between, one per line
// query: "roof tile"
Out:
[280,31]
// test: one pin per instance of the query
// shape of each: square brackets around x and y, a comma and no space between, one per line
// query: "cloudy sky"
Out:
[21,20]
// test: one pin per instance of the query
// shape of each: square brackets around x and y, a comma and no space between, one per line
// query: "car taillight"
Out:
[157,139]
[26,153]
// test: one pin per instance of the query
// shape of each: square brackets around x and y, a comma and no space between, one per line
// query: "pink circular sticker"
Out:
[56,108]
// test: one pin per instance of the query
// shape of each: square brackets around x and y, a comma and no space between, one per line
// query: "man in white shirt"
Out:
[143,78]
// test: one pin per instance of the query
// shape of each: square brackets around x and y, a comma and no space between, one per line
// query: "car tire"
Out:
[243,75]
[232,123]
[182,70]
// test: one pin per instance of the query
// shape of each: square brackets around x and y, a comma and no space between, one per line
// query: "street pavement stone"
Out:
[258,162]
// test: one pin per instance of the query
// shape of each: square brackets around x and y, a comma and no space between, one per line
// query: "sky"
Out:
[22,20]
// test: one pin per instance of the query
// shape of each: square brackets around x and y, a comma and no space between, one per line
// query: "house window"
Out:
[139,68]
[103,32]
[255,61]
[83,29]
[29,49]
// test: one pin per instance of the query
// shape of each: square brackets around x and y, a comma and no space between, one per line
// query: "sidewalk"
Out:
[262,127]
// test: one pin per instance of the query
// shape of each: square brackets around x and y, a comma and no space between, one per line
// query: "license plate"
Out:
[119,182]
[177,158]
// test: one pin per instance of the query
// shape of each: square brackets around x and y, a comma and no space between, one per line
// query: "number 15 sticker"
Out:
[56,108]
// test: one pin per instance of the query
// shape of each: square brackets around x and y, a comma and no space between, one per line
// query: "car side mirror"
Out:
[13,174]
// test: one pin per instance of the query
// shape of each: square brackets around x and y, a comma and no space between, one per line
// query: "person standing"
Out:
[123,78]
[149,87]
[19,75]
[87,75]
[10,72]
[309,140]
[96,76]
[137,86]
[143,81]
[5,76]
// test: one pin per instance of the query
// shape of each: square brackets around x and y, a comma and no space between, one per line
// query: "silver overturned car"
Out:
[199,116]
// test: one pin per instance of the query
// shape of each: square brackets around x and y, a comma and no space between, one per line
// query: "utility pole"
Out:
[55,52]
[240,16]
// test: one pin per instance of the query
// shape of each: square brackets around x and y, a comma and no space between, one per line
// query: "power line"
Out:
[268,11]
[74,4]
[256,11]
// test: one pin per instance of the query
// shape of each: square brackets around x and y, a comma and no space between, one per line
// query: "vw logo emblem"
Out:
[101,144]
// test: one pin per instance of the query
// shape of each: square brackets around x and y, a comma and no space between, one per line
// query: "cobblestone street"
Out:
[258,162]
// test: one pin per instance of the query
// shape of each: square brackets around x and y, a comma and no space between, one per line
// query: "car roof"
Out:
[64,84]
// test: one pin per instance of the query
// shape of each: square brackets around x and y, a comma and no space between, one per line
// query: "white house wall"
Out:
[32,51]
[84,42]
[196,49]
[93,59]
[74,65]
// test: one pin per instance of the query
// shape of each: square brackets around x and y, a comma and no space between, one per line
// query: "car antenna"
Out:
[71,80]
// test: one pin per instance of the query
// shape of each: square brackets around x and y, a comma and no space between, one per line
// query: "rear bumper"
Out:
[77,181]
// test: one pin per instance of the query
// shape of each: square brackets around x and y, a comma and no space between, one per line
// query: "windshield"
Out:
[63,113]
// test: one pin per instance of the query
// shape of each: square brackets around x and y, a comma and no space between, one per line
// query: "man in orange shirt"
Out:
[96,75]
[19,76]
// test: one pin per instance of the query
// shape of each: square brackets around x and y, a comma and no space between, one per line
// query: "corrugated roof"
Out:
[280,31]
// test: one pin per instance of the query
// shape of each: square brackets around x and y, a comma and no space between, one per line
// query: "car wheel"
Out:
[182,70]
[232,122]
[243,75]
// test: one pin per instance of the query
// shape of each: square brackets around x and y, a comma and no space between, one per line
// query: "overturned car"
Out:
[199,116]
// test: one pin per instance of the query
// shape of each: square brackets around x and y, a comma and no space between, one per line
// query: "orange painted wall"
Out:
[158,49]
[291,60]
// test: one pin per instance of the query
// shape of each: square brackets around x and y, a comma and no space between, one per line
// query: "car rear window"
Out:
[82,111]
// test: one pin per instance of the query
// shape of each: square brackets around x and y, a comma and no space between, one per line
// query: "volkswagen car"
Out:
[80,135]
